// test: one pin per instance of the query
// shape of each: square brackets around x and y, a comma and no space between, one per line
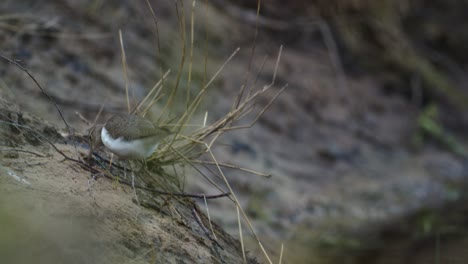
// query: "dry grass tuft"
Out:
[189,141]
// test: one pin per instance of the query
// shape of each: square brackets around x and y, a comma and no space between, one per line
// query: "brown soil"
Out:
[55,210]
[342,157]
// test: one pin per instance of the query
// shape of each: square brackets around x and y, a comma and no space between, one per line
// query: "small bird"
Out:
[128,136]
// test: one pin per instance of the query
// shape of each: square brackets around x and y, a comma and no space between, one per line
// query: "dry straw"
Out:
[190,141]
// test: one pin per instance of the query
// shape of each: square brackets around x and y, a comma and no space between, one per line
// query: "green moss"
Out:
[430,126]
[256,205]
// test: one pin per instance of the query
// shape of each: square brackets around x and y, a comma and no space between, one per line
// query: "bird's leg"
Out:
[125,169]
[90,154]
[144,165]
[91,145]
[145,175]
[133,183]
[146,171]
[110,161]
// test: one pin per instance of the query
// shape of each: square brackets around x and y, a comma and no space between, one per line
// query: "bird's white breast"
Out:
[132,149]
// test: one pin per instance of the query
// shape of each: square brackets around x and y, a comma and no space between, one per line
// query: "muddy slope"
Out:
[56,210]
[347,149]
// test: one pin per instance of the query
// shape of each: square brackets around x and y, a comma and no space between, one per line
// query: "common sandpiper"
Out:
[128,136]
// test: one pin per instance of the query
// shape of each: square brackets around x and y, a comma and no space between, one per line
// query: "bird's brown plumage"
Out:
[132,127]
[126,126]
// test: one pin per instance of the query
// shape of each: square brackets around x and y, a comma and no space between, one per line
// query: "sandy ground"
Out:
[57,211]
[340,157]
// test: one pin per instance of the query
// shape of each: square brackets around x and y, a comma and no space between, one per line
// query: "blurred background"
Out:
[366,146]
